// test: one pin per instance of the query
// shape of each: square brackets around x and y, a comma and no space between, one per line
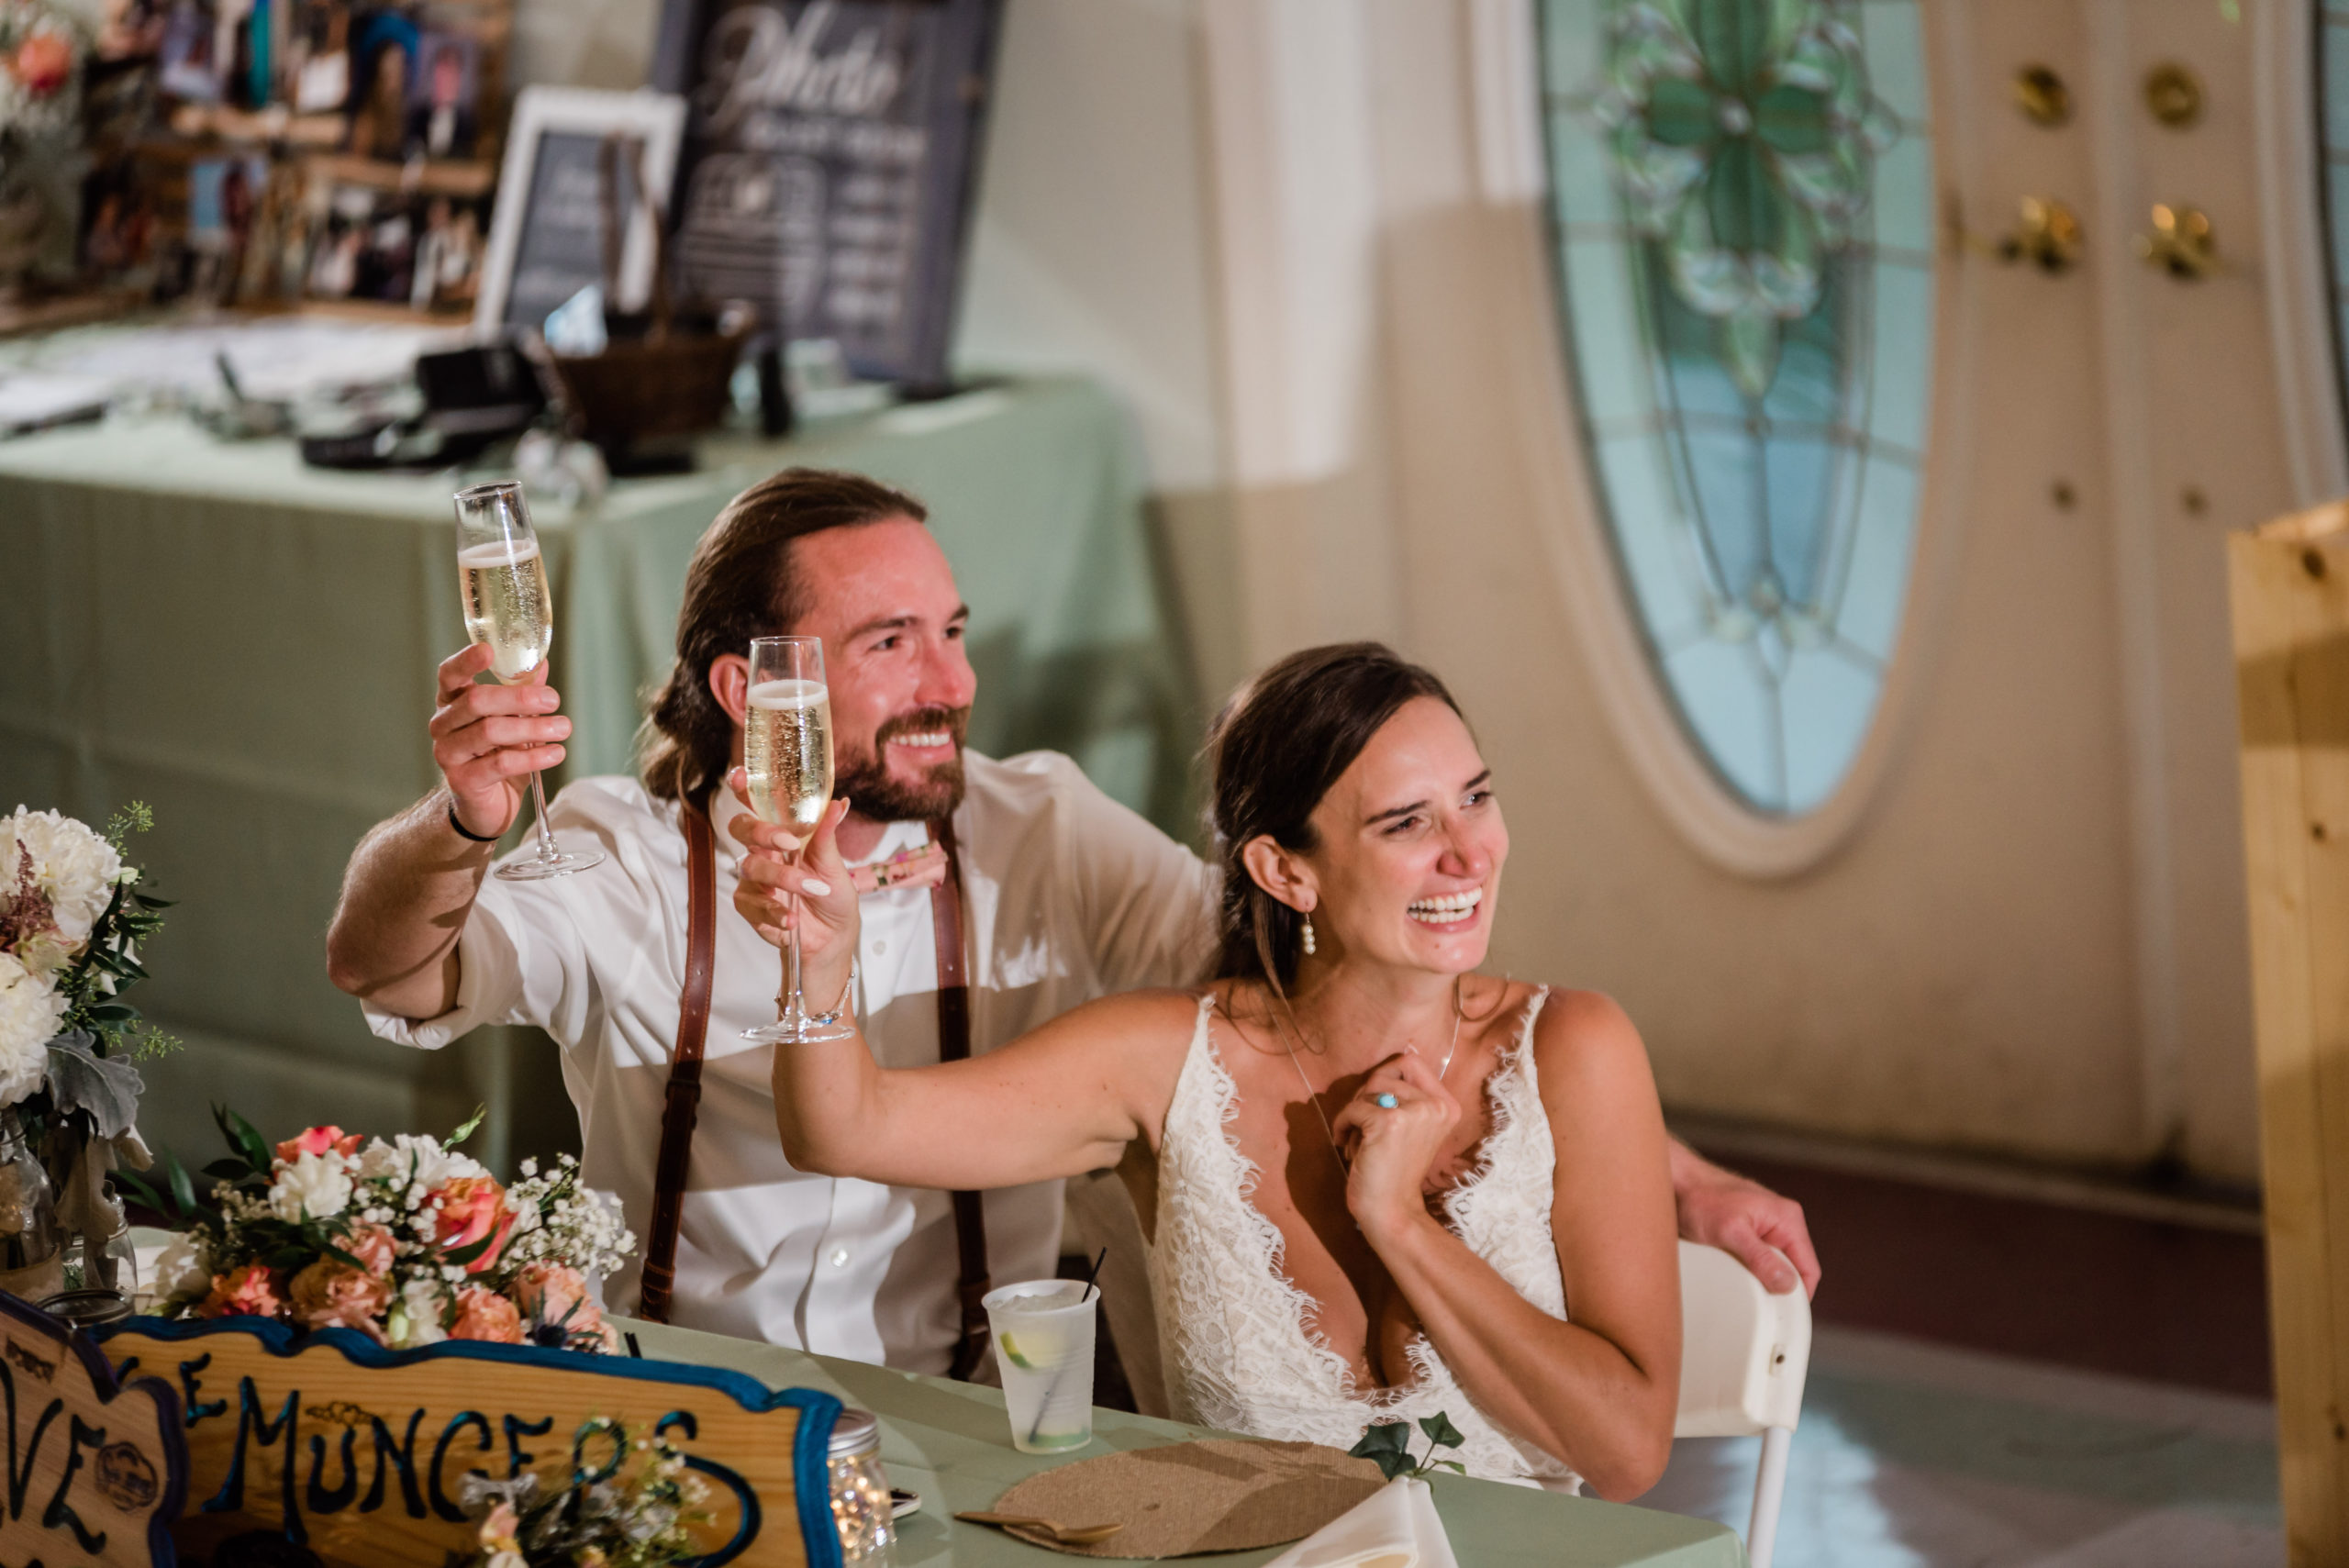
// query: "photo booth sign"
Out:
[831,154]
[361,1452]
[97,1466]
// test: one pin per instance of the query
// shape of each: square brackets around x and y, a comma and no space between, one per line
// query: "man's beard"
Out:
[880,796]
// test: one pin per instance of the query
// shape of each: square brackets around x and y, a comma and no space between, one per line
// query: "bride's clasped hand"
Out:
[1378,1182]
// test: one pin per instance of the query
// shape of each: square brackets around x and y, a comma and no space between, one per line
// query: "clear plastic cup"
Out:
[1043,1344]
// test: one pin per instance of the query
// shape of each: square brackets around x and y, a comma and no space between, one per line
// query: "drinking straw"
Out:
[634,1348]
[1082,1297]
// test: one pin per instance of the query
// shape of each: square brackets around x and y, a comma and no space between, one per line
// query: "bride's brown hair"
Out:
[1278,745]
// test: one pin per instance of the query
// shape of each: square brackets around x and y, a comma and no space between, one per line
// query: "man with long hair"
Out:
[1061,895]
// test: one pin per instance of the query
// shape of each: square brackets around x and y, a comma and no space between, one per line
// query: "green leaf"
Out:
[1386,1444]
[182,1190]
[113,1012]
[147,902]
[136,1185]
[229,1170]
[287,1257]
[466,1254]
[241,1137]
[466,1131]
[1450,1464]
[338,1255]
[1441,1432]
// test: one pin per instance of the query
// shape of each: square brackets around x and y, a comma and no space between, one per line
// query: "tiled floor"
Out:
[1912,1455]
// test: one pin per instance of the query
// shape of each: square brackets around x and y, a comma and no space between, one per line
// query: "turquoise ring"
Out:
[1384,1101]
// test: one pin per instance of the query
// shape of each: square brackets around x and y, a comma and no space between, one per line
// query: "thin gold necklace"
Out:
[1314,1094]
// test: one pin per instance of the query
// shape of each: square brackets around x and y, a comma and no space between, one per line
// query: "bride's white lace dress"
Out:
[1231,1327]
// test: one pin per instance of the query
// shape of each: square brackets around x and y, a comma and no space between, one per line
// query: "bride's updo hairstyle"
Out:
[1278,745]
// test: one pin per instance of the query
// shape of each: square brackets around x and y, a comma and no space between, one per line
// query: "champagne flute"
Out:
[508,607]
[787,752]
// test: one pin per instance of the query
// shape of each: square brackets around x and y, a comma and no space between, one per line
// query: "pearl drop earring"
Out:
[1309,936]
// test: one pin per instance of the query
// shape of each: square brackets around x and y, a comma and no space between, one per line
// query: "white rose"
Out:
[67,864]
[184,1271]
[311,1186]
[415,1318]
[30,1010]
[435,1166]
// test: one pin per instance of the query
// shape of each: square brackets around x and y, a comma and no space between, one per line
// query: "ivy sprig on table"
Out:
[1387,1444]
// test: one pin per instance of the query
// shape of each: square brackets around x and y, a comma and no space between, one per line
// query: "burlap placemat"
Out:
[1215,1494]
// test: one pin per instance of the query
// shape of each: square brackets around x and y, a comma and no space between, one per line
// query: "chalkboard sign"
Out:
[547,240]
[831,148]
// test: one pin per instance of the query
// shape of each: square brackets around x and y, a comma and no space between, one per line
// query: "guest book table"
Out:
[249,645]
[950,1442]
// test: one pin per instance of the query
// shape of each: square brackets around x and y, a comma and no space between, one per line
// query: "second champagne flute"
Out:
[787,754]
[508,607]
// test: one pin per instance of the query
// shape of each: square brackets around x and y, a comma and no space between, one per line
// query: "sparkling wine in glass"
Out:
[788,753]
[508,607]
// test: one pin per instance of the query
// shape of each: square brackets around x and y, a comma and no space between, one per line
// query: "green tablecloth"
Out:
[247,645]
[952,1444]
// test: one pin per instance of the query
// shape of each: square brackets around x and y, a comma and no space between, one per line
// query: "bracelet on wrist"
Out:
[466,833]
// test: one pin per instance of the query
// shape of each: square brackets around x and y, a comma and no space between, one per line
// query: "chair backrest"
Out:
[1744,1352]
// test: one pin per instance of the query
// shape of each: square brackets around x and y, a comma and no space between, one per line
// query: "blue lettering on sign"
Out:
[321,1500]
[457,1423]
[21,1476]
[249,1422]
[190,1383]
[519,1458]
[580,1475]
[725,1477]
[403,1456]
[58,1511]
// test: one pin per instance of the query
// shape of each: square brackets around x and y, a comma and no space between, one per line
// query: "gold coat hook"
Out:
[2048,236]
[2182,243]
[2042,96]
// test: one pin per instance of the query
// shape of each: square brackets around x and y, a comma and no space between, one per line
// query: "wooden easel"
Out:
[2290,590]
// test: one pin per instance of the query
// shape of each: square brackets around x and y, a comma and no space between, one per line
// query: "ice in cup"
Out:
[1043,1344]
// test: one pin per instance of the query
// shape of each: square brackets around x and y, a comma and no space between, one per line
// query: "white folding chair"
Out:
[1744,1355]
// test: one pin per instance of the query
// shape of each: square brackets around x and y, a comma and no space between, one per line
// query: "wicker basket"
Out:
[650,389]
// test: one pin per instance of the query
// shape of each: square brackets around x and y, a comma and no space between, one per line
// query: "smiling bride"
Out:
[1378,1183]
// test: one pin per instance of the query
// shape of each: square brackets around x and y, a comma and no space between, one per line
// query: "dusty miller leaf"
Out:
[81,1080]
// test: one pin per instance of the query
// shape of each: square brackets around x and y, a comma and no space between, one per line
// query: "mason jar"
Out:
[861,1507]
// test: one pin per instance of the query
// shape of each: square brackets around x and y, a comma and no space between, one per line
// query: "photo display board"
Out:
[831,154]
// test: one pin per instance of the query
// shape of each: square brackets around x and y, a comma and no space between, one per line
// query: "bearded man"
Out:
[997,895]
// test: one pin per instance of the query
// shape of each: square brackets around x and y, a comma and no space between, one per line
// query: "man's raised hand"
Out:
[487,738]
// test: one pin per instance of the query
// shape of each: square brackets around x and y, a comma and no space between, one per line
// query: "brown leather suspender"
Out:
[683,1103]
[680,1108]
[954,1045]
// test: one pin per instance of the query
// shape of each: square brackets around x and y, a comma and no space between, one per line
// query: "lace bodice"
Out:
[1232,1328]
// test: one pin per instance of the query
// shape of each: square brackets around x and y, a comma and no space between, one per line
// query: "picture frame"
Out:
[546,235]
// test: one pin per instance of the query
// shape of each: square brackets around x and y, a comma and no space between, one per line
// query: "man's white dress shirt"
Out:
[1068,895]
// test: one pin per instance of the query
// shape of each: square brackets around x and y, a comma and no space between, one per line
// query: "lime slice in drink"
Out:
[1011,1353]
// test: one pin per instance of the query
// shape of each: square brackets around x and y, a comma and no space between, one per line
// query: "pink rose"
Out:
[482,1314]
[320,1140]
[472,1207]
[330,1295]
[371,1245]
[248,1292]
[43,62]
[554,1292]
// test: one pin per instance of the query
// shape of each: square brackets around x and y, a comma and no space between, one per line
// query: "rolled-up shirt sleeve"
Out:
[1149,903]
[513,967]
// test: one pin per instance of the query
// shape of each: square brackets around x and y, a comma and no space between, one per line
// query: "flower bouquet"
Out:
[71,917]
[635,1509]
[405,1241]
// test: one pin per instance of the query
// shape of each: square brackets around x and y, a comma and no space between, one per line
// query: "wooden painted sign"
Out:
[361,1452]
[97,1467]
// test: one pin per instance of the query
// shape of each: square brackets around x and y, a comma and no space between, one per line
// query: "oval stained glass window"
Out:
[1742,215]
